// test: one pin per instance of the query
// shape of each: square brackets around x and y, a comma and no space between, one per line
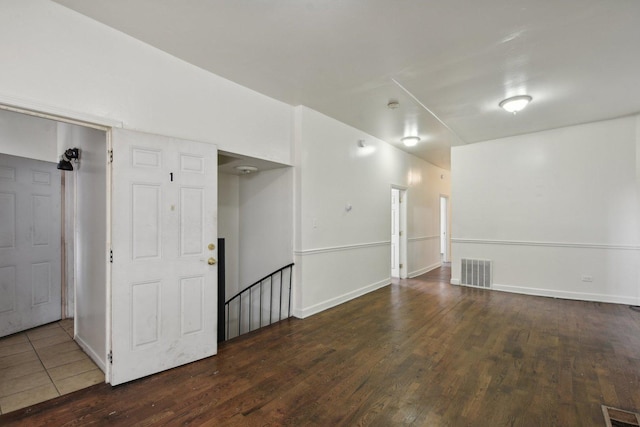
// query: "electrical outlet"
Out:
[587,278]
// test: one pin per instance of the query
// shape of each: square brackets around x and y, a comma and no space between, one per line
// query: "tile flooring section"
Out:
[43,363]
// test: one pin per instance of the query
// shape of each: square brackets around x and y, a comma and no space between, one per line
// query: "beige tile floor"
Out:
[43,363]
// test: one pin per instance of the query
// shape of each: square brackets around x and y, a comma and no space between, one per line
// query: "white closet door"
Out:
[30,256]
[164,216]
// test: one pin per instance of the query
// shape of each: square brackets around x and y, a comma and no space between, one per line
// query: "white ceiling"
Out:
[448,62]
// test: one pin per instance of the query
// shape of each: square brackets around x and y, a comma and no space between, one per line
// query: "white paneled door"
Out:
[30,253]
[164,226]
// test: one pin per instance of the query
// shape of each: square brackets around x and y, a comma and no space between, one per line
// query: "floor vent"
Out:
[476,272]
[614,417]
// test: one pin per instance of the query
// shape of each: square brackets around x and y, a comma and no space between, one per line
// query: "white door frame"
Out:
[444,224]
[403,228]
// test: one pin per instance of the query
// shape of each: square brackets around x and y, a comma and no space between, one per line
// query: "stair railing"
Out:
[255,303]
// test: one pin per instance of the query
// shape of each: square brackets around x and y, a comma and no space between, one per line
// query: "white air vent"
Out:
[476,272]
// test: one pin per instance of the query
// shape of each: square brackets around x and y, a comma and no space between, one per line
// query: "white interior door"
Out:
[30,255]
[163,291]
[395,233]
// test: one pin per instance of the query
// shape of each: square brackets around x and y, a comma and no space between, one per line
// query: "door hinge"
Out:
[400,233]
[110,357]
[401,265]
[111,256]
[110,156]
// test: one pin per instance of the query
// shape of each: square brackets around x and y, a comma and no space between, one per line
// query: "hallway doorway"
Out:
[398,235]
[444,229]
[65,215]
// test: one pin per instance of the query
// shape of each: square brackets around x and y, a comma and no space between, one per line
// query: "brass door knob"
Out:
[211,261]
[211,246]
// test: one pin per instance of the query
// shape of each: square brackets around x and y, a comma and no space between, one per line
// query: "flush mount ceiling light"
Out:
[515,103]
[246,169]
[410,141]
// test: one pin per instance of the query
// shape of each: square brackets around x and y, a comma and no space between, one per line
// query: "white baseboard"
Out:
[92,354]
[424,270]
[582,296]
[454,281]
[325,305]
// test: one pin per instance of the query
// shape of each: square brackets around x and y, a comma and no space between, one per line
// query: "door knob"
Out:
[211,261]
[211,246]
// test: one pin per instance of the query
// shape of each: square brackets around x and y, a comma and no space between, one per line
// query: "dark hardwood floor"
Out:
[418,352]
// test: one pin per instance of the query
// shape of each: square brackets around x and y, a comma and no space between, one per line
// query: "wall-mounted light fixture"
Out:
[410,141]
[515,103]
[65,160]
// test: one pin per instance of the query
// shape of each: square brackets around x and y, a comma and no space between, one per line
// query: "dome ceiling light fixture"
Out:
[246,169]
[515,103]
[410,141]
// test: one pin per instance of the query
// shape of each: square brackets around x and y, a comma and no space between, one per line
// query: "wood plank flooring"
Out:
[419,352]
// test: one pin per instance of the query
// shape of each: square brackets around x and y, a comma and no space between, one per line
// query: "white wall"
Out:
[229,228]
[266,223]
[59,61]
[28,136]
[90,227]
[343,254]
[550,207]
[255,216]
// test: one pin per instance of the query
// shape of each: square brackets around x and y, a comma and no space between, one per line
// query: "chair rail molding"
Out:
[608,246]
[341,248]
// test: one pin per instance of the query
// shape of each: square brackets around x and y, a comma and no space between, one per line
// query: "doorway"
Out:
[139,200]
[398,237]
[73,222]
[444,227]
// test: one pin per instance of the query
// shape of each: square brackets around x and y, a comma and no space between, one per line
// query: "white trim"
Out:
[548,244]
[108,314]
[581,296]
[424,270]
[399,187]
[417,239]
[455,282]
[325,305]
[342,248]
[92,354]
[38,109]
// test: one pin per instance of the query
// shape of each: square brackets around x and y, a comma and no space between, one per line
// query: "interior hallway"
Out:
[43,363]
[418,352]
